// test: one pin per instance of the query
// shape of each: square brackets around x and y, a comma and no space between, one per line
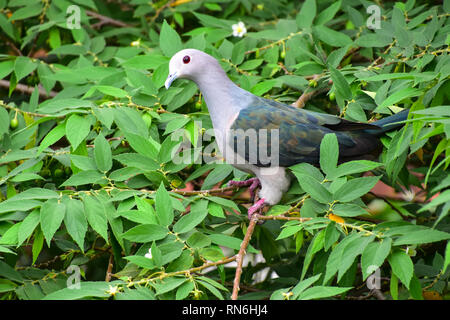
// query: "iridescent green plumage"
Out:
[300,133]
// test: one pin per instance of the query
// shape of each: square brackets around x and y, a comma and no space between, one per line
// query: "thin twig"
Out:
[241,254]
[105,20]
[181,272]
[261,217]
[110,266]
[29,90]
[33,114]
[158,11]
[301,101]
[204,192]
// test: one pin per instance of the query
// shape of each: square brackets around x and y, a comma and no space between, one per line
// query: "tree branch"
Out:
[29,90]
[301,101]
[241,254]
[105,20]
[110,266]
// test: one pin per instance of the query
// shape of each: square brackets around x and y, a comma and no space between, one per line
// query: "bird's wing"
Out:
[299,132]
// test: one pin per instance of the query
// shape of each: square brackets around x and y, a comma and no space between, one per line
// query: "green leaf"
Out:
[38,243]
[321,292]
[229,242]
[83,177]
[422,236]
[26,12]
[397,96]
[10,237]
[150,61]
[328,14]
[315,246]
[308,170]
[4,121]
[96,215]
[306,15]
[23,67]
[219,173]
[440,199]
[402,266]
[111,91]
[28,225]
[156,255]
[144,146]
[163,204]
[332,235]
[168,284]
[169,40]
[52,215]
[146,233]
[335,257]
[211,21]
[88,289]
[160,75]
[373,40]
[315,189]
[75,221]
[353,249]
[140,261]
[10,273]
[415,288]
[8,28]
[447,257]
[56,106]
[102,153]
[251,64]
[329,153]
[341,84]
[355,188]
[289,231]
[193,218]
[352,167]
[224,202]
[332,37]
[184,290]
[77,128]
[304,284]
[198,240]
[130,121]
[211,288]
[439,111]
[137,161]
[348,210]
[238,53]
[393,286]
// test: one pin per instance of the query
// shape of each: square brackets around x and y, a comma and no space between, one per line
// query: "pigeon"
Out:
[263,137]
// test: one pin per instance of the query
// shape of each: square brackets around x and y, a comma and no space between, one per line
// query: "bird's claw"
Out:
[252,183]
[256,208]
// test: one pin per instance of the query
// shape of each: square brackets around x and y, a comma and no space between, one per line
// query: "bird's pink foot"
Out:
[252,183]
[256,207]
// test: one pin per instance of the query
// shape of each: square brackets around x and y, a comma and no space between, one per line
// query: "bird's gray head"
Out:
[189,64]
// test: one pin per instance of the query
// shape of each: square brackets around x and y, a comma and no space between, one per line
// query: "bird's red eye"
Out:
[186,59]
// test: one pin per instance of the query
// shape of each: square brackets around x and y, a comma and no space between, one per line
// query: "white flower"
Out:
[408,195]
[239,29]
[149,254]
[113,290]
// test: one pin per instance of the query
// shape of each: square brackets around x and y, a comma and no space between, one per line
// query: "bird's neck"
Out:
[223,98]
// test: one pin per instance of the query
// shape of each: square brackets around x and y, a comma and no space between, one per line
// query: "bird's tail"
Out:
[390,123]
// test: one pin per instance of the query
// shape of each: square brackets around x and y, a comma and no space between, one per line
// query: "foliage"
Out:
[87,176]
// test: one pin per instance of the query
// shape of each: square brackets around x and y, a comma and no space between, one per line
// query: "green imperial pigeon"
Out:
[262,136]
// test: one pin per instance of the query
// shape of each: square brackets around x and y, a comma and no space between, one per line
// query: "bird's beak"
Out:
[170,78]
